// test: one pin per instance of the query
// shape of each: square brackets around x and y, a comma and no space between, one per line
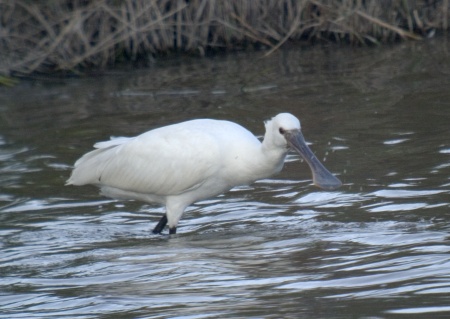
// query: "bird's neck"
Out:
[273,156]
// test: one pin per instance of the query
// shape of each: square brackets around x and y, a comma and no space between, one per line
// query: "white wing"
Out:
[166,161]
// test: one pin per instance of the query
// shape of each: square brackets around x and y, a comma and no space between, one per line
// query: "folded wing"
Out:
[159,162]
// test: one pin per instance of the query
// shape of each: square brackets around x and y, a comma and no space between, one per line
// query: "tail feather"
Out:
[88,168]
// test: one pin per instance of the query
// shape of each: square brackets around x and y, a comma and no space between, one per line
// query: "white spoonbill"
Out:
[180,164]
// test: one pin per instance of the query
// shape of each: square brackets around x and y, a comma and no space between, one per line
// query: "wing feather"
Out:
[167,161]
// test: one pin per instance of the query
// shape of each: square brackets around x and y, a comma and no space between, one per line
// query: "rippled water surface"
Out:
[378,247]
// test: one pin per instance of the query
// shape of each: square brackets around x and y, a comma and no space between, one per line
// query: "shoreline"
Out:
[67,37]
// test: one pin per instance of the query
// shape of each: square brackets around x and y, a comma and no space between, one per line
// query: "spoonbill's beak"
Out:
[321,176]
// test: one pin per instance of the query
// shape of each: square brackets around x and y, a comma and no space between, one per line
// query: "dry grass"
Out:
[69,35]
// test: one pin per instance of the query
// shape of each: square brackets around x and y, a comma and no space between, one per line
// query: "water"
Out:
[280,248]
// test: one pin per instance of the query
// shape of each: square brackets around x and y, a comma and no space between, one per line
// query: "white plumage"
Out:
[179,164]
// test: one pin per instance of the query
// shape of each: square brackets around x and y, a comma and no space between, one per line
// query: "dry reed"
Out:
[69,35]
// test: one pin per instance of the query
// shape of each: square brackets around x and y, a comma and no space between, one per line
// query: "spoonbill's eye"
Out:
[281,130]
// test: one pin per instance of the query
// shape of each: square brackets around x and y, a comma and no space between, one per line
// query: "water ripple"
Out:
[280,248]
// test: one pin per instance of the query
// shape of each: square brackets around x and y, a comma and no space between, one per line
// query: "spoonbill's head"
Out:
[285,131]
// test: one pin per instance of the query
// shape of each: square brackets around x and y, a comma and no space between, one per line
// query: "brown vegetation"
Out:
[68,35]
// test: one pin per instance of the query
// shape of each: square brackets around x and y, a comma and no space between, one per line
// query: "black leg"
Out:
[161,224]
[172,231]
